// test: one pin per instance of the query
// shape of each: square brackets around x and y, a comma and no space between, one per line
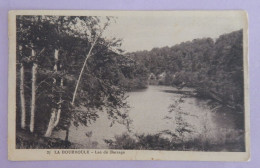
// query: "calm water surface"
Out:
[148,110]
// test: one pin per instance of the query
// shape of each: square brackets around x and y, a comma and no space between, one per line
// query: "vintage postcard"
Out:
[128,85]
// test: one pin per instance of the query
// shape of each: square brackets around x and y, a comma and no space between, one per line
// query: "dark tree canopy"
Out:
[101,86]
[213,68]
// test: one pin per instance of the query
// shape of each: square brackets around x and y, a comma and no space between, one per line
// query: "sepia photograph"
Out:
[128,85]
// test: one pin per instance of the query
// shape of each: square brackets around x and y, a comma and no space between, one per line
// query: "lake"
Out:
[148,110]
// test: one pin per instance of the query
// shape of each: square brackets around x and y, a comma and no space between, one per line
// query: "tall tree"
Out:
[96,38]
[34,76]
[55,114]
[22,97]
[69,42]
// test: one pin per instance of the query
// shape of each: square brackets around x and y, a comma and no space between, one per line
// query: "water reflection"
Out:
[150,114]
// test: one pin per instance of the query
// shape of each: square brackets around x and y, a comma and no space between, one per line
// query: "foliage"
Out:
[213,68]
[101,87]
[233,142]
[140,142]
[135,74]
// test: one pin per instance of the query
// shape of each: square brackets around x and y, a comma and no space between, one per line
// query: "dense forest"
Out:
[213,68]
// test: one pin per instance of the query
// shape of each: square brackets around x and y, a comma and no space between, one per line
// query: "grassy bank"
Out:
[158,142]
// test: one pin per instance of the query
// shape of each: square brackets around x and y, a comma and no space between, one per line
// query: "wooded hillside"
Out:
[213,68]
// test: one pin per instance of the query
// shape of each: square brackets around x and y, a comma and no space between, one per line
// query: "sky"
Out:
[144,31]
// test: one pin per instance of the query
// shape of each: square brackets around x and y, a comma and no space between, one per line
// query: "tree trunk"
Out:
[81,72]
[34,70]
[59,109]
[22,99]
[78,81]
[51,123]
[55,114]
[67,133]
[54,120]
